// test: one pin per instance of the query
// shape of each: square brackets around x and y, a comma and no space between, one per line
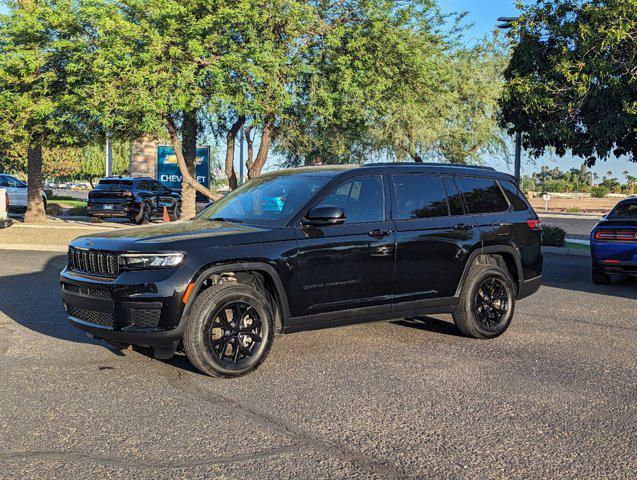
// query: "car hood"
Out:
[179,235]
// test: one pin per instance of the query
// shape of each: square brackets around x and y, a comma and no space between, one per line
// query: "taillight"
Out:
[534,224]
[616,235]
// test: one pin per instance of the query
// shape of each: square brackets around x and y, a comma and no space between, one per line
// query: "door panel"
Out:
[349,265]
[432,245]
[490,208]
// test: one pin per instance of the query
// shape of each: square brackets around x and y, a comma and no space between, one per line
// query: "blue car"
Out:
[614,243]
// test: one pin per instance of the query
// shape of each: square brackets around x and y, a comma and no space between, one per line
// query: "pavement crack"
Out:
[182,382]
[84,457]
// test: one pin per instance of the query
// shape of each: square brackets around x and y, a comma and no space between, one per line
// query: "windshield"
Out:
[268,200]
[624,210]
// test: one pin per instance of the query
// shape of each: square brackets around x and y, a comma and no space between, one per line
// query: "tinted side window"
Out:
[13,182]
[482,195]
[420,196]
[361,198]
[3,182]
[454,196]
[516,198]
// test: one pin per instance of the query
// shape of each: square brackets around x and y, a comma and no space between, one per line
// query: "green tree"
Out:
[386,80]
[571,79]
[34,94]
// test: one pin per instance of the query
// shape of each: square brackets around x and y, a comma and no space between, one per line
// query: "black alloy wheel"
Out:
[491,303]
[229,329]
[235,333]
[487,302]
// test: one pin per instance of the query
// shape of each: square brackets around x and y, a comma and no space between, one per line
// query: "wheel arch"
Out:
[272,283]
[509,254]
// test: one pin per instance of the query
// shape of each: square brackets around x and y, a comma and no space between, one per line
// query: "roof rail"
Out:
[429,164]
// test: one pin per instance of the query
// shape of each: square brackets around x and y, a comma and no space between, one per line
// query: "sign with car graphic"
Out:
[168,171]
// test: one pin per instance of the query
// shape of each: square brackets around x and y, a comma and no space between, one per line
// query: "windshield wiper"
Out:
[224,219]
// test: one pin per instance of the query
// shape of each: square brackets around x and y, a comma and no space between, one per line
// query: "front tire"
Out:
[229,330]
[487,302]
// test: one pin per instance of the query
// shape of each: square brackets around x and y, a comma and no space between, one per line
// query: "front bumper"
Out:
[138,307]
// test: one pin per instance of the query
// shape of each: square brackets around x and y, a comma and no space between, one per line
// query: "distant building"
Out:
[143,158]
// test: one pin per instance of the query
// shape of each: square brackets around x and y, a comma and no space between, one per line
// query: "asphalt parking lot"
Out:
[554,397]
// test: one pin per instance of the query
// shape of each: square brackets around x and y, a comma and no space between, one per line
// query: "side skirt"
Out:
[370,314]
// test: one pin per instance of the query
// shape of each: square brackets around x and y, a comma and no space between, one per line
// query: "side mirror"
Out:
[323,216]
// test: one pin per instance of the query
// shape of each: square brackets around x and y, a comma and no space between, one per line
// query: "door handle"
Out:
[462,226]
[379,233]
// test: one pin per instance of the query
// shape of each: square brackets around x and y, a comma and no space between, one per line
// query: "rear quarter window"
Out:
[482,195]
[515,196]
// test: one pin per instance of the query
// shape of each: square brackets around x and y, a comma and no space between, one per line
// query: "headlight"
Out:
[138,261]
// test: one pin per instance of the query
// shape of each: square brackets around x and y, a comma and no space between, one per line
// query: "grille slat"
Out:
[86,290]
[103,319]
[93,262]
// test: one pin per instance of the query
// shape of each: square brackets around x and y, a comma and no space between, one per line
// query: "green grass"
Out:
[71,206]
[577,246]
[67,202]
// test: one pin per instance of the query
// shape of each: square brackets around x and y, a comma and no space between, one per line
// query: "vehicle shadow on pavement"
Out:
[567,275]
[33,301]
[429,324]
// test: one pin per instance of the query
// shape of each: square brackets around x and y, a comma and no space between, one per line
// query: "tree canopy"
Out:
[572,79]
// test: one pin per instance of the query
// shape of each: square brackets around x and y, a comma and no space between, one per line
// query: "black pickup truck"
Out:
[309,248]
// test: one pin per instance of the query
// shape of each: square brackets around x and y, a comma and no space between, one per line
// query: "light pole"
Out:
[507,24]
[241,156]
[109,157]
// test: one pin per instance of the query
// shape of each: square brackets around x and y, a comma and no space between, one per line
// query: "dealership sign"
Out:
[168,171]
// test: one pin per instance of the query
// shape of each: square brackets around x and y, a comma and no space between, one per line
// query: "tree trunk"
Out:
[250,142]
[264,147]
[417,158]
[230,138]
[189,143]
[181,162]
[35,205]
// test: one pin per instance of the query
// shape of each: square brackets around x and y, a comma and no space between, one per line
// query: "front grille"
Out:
[103,319]
[93,262]
[88,291]
[145,317]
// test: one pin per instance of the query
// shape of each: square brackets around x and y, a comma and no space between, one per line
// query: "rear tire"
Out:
[599,277]
[144,214]
[177,212]
[487,302]
[229,330]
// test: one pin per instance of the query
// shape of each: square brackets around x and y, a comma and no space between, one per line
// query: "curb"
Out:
[38,248]
[575,252]
[576,216]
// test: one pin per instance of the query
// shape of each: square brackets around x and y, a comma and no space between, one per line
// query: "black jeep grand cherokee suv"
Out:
[309,248]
